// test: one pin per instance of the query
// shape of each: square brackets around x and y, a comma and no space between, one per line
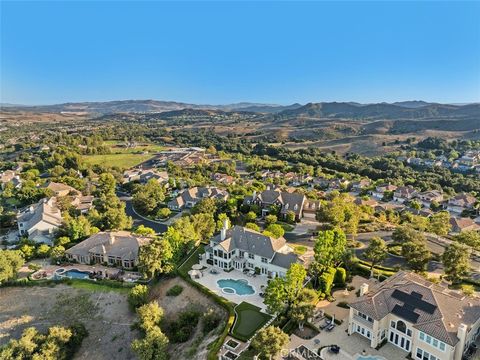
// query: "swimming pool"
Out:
[72,274]
[238,287]
[370,357]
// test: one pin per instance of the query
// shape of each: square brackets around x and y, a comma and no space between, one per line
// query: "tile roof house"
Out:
[60,189]
[380,190]
[404,193]
[358,186]
[462,224]
[286,201]
[143,176]
[427,320]
[426,198]
[461,202]
[40,221]
[10,176]
[245,249]
[190,197]
[115,248]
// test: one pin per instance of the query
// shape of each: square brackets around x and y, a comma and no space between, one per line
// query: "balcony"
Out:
[363,321]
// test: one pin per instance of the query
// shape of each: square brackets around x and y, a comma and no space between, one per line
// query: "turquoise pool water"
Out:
[74,274]
[370,357]
[239,287]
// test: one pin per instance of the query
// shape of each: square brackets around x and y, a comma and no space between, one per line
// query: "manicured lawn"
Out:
[285,226]
[192,260]
[300,249]
[123,161]
[93,286]
[249,320]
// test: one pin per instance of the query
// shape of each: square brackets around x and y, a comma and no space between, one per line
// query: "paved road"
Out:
[139,220]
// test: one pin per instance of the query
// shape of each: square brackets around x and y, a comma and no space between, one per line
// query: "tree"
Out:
[416,254]
[252,226]
[281,293]
[456,261]
[109,214]
[106,185]
[304,307]
[406,233]
[138,296]
[78,228]
[250,216]
[269,342]
[57,252]
[330,247]
[10,262]
[144,231]
[164,213]
[470,238]
[153,346]
[146,198]
[43,250]
[376,252]
[440,223]
[290,217]
[155,258]
[27,250]
[270,219]
[149,315]
[205,206]
[274,230]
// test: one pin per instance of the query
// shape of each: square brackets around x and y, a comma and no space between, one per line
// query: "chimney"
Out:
[31,209]
[223,232]
[363,289]
[254,196]
[111,238]
[268,187]
[462,337]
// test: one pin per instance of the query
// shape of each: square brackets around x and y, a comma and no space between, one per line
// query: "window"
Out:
[401,327]
[242,254]
[251,256]
[264,260]
[432,341]
[366,317]
[392,324]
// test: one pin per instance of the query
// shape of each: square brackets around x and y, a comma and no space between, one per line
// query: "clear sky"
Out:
[223,52]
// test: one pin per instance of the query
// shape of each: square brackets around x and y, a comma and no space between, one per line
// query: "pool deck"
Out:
[351,347]
[48,271]
[210,281]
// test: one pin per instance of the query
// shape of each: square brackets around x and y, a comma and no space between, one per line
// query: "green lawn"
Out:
[299,249]
[123,161]
[93,286]
[285,226]
[192,260]
[249,320]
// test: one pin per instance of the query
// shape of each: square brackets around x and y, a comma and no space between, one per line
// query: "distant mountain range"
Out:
[349,110]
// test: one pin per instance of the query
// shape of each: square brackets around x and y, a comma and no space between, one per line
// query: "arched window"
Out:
[401,326]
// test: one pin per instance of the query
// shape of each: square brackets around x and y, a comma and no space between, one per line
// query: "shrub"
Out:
[175,290]
[211,320]
[138,296]
[326,280]
[182,330]
[468,290]
[343,304]
[340,276]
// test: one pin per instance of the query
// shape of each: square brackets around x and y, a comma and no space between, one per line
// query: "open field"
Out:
[122,161]
[190,298]
[104,312]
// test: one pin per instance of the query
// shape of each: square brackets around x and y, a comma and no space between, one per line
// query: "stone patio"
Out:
[209,280]
[351,347]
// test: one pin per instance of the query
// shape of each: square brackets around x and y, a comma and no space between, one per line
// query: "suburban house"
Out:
[190,197]
[358,186]
[286,201]
[404,194]
[365,202]
[223,178]
[143,176]
[10,176]
[39,221]
[115,248]
[60,189]
[241,249]
[461,202]
[427,198]
[83,203]
[380,190]
[462,224]
[310,208]
[427,320]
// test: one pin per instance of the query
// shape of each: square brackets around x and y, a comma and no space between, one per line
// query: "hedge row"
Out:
[214,347]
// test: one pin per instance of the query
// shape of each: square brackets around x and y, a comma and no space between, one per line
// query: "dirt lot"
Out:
[190,298]
[105,314]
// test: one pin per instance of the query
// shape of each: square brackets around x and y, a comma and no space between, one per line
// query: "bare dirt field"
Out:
[190,298]
[104,313]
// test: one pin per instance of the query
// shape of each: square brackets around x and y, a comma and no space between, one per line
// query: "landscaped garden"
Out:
[122,161]
[249,320]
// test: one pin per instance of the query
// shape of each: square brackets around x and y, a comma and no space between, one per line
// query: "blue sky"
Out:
[223,52]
